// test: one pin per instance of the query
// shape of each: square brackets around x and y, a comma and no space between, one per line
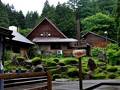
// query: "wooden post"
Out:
[1,60]
[49,82]
[80,74]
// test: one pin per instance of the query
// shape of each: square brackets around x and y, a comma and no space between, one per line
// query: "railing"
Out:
[15,79]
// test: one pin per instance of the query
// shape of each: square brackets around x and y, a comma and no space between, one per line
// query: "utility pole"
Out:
[78,38]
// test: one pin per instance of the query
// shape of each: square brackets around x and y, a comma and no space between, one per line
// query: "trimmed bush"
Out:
[56,76]
[72,72]
[20,59]
[51,63]
[112,69]
[70,61]
[54,71]
[112,76]
[36,61]
[56,60]
[99,76]
[61,64]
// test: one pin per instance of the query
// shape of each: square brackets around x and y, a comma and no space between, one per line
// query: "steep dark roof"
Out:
[51,24]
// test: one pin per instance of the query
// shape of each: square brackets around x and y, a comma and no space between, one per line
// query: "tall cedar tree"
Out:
[118,20]
[4,21]
[31,19]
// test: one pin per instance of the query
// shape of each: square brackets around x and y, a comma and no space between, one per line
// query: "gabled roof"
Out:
[51,24]
[85,35]
[20,38]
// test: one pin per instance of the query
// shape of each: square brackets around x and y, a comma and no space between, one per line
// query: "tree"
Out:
[12,15]
[31,19]
[106,6]
[117,20]
[48,11]
[4,21]
[21,20]
[99,23]
[66,21]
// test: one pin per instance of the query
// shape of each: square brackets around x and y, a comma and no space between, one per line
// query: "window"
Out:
[55,46]
[45,34]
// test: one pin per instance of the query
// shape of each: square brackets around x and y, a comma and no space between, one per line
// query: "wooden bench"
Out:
[26,78]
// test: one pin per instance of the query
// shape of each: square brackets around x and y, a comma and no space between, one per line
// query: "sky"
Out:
[31,5]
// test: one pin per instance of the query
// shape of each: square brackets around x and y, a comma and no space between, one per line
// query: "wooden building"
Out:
[95,40]
[18,44]
[49,38]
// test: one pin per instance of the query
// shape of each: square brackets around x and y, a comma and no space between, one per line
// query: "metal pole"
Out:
[80,74]
[1,66]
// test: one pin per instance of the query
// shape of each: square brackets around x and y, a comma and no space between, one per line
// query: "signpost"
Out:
[78,54]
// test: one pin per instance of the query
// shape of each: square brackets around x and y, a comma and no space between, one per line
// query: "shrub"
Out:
[56,60]
[99,76]
[112,69]
[20,59]
[56,76]
[96,51]
[51,63]
[8,55]
[72,72]
[36,61]
[70,61]
[112,76]
[61,64]
[54,71]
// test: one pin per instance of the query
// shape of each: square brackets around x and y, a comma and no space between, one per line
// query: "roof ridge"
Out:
[51,24]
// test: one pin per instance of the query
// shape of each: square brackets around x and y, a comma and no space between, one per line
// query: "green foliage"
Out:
[25,32]
[20,59]
[112,69]
[113,53]
[69,61]
[99,23]
[72,72]
[56,60]
[4,21]
[56,76]
[31,19]
[36,61]
[54,71]
[99,76]
[8,55]
[51,63]
[96,51]
[112,76]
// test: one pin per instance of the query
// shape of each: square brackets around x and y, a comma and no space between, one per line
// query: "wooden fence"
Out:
[20,76]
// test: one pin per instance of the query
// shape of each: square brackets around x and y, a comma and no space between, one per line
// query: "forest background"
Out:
[95,15]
